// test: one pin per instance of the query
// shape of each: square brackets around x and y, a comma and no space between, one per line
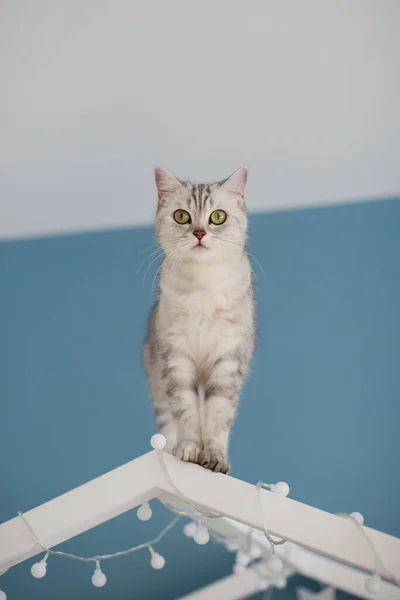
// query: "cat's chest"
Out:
[205,305]
[203,321]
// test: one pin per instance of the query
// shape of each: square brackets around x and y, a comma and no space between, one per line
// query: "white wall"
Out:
[94,92]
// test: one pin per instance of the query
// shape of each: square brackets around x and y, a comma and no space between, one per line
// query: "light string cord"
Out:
[98,558]
[273,542]
[181,495]
[380,567]
[206,514]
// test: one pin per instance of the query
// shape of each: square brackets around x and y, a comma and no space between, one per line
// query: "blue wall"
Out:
[321,409]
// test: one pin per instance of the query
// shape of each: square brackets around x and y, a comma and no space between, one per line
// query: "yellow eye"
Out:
[182,217]
[218,217]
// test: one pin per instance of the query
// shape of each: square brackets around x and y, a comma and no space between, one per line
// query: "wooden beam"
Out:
[304,562]
[303,525]
[233,587]
[143,479]
[80,509]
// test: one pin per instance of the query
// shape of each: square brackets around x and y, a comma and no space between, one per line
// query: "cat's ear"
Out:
[166,183]
[236,183]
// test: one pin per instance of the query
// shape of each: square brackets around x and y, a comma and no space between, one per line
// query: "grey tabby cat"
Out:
[201,330]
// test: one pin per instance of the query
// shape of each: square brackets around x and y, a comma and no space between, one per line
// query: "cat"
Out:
[201,329]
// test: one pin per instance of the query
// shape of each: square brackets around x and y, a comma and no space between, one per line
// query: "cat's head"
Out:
[201,222]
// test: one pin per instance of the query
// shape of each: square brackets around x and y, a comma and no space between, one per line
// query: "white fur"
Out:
[205,311]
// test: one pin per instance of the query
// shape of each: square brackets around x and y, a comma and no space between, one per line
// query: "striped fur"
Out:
[201,329]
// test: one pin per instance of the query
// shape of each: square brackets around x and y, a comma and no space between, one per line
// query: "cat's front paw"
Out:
[214,459]
[187,450]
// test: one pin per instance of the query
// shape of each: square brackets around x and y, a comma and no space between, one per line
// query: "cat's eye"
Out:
[218,217]
[182,216]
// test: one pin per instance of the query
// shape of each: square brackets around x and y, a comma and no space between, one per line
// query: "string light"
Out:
[157,561]
[255,551]
[358,517]
[280,583]
[247,551]
[98,577]
[158,441]
[38,570]
[231,546]
[238,569]
[242,558]
[274,564]
[281,488]
[190,529]
[144,512]
[373,584]
[264,584]
[201,536]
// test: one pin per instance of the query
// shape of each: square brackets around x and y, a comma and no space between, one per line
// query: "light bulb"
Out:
[157,561]
[358,517]
[38,570]
[231,546]
[190,529]
[201,536]
[3,595]
[373,584]
[281,488]
[98,578]
[144,512]
[280,583]
[280,549]
[274,564]
[238,569]
[158,441]
[242,558]
[264,584]
[255,551]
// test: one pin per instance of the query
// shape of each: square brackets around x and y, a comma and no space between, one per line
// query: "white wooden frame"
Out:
[324,546]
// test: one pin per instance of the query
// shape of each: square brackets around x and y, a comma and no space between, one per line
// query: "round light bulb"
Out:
[157,561]
[274,564]
[201,536]
[144,512]
[3,595]
[158,441]
[255,551]
[38,570]
[373,584]
[242,558]
[190,529]
[98,578]
[264,585]
[238,569]
[231,546]
[280,583]
[280,549]
[358,517]
[281,488]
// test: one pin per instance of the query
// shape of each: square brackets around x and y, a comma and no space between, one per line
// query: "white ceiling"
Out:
[95,92]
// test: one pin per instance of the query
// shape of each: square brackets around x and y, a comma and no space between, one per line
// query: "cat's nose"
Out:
[200,233]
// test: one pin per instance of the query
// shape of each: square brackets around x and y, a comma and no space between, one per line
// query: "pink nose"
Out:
[199,234]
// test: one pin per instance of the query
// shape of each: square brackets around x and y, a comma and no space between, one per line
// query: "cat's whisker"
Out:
[148,248]
[252,270]
[159,250]
[164,263]
[148,267]
[171,239]
[240,244]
